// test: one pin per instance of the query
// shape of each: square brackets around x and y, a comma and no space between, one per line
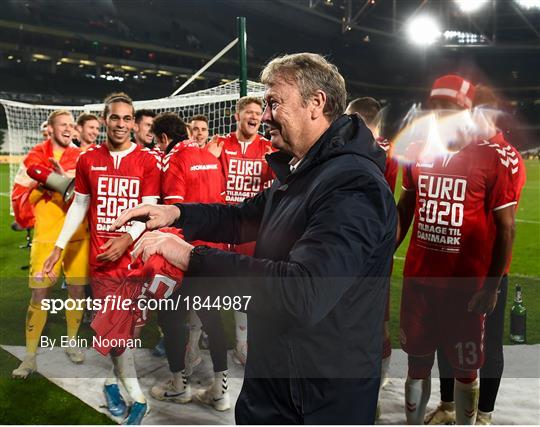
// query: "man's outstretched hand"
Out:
[155,216]
[170,246]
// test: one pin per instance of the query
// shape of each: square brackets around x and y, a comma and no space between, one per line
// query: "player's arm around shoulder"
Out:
[215,145]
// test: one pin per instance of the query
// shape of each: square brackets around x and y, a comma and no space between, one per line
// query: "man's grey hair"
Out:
[310,72]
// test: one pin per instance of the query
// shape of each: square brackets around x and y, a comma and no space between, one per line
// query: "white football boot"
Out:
[176,389]
[217,395]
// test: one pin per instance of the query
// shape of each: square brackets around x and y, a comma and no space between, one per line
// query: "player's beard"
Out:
[62,142]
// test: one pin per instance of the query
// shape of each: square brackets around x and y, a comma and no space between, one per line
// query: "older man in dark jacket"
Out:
[325,235]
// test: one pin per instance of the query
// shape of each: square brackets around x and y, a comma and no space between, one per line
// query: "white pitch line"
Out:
[527,221]
[524,276]
[520,276]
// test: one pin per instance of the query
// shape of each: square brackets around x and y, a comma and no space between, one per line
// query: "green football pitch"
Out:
[37,401]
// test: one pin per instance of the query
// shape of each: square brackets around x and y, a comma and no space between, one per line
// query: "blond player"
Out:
[59,154]
[246,172]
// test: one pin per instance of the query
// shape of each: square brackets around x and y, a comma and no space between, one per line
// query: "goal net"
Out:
[217,103]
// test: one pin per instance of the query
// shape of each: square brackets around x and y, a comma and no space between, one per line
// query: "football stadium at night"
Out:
[270,211]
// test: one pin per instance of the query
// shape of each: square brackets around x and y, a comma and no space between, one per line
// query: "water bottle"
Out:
[518,319]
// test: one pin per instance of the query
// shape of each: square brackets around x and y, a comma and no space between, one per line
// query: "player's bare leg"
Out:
[418,388]
[73,321]
[35,322]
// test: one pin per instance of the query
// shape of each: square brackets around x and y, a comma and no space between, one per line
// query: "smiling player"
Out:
[110,178]
[242,155]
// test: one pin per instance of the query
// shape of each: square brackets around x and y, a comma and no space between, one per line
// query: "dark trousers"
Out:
[173,325]
[491,371]
[307,401]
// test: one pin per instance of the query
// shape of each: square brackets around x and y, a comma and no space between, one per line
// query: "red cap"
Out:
[454,89]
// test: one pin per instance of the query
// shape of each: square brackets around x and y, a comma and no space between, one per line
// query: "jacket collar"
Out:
[346,135]
[279,162]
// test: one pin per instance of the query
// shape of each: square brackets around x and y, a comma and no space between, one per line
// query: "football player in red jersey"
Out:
[485,116]
[369,110]
[110,178]
[242,156]
[142,134]
[190,175]
[199,129]
[451,276]
[88,127]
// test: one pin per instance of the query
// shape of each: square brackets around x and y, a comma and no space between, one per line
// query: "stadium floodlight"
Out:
[470,6]
[423,30]
[528,4]
[462,37]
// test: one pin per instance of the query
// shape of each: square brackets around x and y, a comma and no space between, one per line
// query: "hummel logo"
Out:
[469,413]
[508,161]
[411,406]
[231,153]
[514,162]
[424,165]
[98,168]
[505,151]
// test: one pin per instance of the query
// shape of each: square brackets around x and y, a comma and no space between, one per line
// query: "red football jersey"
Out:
[115,182]
[514,160]
[154,279]
[392,166]
[192,175]
[455,195]
[244,167]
